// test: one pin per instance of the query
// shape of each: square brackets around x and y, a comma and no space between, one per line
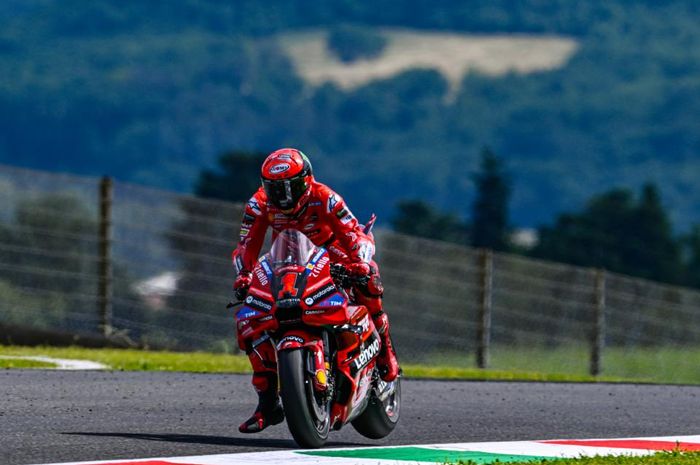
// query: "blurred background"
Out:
[563,136]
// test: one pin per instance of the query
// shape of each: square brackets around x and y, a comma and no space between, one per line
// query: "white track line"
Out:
[530,448]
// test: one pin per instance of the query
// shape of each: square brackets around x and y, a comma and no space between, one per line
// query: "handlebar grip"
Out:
[340,274]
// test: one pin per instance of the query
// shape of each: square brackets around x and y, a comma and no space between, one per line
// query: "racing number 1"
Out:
[289,282]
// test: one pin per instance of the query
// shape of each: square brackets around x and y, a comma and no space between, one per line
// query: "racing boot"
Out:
[388,364]
[268,412]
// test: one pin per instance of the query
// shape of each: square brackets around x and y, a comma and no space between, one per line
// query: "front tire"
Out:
[381,415]
[307,413]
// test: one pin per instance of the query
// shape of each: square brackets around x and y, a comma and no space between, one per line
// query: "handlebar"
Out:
[342,279]
[340,276]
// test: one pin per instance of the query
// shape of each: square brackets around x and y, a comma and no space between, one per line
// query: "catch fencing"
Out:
[149,267]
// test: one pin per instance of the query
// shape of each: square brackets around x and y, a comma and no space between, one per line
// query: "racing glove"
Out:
[242,283]
[358,269]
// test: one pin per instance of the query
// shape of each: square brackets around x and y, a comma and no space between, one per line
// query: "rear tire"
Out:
[308,416]
[380,417]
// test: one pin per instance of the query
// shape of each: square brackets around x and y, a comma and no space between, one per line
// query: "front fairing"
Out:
[291,285]
[302,281]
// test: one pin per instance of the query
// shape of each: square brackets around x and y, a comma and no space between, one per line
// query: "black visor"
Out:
[285,193]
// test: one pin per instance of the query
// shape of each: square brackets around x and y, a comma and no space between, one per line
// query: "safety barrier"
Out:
[93,256]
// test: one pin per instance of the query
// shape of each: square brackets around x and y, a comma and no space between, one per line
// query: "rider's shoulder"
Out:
[326,195]
[258,202]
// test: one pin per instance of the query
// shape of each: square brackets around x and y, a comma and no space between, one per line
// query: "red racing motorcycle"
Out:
[326,346]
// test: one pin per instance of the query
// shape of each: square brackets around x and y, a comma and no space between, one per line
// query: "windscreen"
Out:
[291,248]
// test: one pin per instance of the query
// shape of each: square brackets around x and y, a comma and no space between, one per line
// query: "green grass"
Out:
[653,365]
[661,458]
[138,360]
[670,365]
[450,372]
[548,367]
[14,363]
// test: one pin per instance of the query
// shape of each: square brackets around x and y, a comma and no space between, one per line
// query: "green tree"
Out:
[617,232]
[56,232]
[692,268]
[351,42]
[48,262]
[237,178]
[201,241]
[417,218]
[655,251]
[490,208]
[48,266]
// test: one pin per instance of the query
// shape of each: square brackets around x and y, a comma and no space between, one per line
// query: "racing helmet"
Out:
[286,177]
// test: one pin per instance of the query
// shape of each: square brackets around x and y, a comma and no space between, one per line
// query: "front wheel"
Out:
[307,411]
[382,412]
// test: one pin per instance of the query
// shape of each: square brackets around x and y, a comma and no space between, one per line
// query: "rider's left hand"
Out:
[240,287]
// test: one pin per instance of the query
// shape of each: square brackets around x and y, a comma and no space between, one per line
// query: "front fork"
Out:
[317,355]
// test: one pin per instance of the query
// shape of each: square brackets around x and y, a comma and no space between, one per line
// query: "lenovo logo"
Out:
[366,355]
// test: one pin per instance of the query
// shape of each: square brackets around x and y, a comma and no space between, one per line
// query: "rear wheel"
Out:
[307,411]
[382,412]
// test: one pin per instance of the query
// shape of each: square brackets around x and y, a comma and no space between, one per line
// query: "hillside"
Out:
[452,54]
[153,94]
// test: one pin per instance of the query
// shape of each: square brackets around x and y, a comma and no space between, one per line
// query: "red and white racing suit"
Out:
[327,221]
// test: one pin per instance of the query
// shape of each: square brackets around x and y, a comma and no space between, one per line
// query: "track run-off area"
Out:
[56,416]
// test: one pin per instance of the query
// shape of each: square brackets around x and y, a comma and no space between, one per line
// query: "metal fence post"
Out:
[598,334]
[483,333]
[104,291]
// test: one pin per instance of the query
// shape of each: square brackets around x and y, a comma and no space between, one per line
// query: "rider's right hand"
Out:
[242,283]
[358,269]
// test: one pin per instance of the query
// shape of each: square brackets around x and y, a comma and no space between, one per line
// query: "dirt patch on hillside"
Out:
[453,55]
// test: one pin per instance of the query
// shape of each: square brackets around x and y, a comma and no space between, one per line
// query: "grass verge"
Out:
[18,363]
[138,360]
[660,458]
[450,372]
[203,362]
[674,364]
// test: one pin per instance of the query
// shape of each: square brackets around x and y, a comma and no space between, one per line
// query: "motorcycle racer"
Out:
[290,197]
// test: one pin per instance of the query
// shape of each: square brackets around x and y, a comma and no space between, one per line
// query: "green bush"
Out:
[351,43]
[22,308]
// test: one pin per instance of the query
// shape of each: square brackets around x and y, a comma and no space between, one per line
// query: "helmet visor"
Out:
[285,193]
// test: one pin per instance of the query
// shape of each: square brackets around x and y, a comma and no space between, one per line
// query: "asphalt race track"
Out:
[52,416]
